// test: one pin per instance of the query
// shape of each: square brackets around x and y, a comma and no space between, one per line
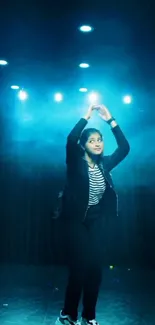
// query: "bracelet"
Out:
[111,120]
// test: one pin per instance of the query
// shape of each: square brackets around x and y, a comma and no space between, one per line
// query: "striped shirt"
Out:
[97,185]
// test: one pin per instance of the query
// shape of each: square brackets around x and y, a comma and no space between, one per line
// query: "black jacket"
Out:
[76,192]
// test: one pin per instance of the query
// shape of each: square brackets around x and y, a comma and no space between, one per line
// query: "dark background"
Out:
[43,46]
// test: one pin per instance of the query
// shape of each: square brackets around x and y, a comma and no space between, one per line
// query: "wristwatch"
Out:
[111,120]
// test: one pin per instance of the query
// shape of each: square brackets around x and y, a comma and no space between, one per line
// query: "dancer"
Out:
[89,197]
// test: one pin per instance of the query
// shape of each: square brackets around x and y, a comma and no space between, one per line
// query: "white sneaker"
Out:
[90,322]
[66,320]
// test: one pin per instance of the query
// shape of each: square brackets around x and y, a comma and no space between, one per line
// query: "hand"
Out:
[104,113]
[89,112]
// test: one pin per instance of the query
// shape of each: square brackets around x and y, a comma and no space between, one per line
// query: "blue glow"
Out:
[93,98]
[127,99]
[58,97]
[86,29]
[84,65]
[3,62]
[14,87]
[22,95]
[83,90]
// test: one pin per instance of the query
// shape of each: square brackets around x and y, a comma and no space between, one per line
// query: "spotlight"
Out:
[83,90]
[85,29]
[58,97]
[93,98]
[3,62]
[127,99]
[14,87]
[84,65]
[22,95]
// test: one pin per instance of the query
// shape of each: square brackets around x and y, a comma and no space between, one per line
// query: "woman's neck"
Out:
[91,162]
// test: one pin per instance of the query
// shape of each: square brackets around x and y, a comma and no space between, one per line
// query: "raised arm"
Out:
[72,147]
[123,148]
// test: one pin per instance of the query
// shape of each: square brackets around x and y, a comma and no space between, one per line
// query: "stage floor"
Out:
[34,296]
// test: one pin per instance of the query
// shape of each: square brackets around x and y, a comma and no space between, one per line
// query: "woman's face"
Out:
[94,144]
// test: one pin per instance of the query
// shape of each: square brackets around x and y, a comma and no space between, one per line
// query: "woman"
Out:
[89,197]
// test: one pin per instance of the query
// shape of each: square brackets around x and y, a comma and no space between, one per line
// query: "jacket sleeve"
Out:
[121,152]
[72,146]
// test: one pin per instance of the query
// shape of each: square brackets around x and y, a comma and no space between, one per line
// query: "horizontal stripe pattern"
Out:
[97,185]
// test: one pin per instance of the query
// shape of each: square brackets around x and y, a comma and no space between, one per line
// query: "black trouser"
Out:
[85,256]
